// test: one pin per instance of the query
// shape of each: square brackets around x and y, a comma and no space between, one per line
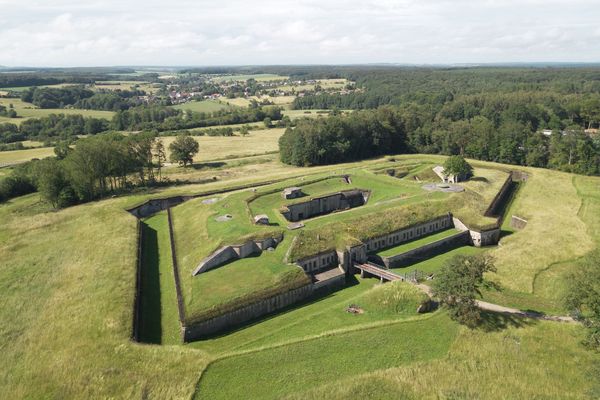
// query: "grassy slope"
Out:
[556,236]
[541,360]
[66,316]
[67,308]
[270,374]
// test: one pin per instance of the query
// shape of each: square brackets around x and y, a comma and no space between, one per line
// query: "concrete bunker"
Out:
[322,205]
[232,252]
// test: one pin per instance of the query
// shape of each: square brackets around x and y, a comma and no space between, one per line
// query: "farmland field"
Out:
[20,156]
[206,106]
[27,110]
[222,147]
[258,77]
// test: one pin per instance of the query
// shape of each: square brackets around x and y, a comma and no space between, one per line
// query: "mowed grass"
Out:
[21,156]
[434,264]
[27,110]
[222,147]
[206,106]
[283,370]
[159,316]
[511,359]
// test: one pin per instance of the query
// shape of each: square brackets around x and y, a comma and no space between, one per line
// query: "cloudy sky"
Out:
[234,32]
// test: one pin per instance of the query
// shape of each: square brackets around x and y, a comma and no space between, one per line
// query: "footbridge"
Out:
[378,271]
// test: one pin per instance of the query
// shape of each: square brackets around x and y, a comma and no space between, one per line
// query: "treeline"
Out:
[50,97]
[170,119]
[359,135]
[435,87]
[505,134]
[156,118]
[80,97]
[54,126]
[96,167]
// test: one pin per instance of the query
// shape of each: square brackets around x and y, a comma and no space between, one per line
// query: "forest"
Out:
[488,114]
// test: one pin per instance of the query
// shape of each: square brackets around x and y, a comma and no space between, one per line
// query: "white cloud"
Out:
[187,32]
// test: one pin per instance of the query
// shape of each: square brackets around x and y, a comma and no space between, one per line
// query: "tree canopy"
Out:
[459,283]
[183,149]
[457,165]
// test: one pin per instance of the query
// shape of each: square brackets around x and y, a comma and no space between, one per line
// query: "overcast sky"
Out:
[224,32]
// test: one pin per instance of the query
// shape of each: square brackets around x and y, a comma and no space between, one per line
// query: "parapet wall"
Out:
[234,252]
[245,314]
[430,249]
[410,233]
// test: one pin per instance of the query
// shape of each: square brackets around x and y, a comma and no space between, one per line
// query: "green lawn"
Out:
[159,317]
[240,282]
[269,374]
[413,244]
[434,264]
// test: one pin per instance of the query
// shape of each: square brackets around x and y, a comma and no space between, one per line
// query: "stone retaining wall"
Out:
[137,297]
[451,242]
[518,222]
[180,306]
[245,314]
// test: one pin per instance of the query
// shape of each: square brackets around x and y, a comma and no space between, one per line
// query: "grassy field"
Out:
[223,147]
[327,358]
[20,156]
[243,78]
[27,110]
[245,102]
[67,282]
[538,250]
[206,106]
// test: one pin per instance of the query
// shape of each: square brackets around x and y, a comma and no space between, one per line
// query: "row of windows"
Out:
[408,235]
[312,265]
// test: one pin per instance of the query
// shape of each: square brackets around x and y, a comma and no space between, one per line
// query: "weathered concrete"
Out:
[409,233]
[428,250]
[325,204]
[518,222]
[234,252]
[318,261]
[245,314]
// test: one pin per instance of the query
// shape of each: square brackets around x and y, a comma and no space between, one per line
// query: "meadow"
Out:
[27,110]
[214,148]
[67,312]
[206,106]
[21,156]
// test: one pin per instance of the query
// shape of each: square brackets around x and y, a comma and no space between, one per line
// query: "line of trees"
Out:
[54,126]
[506,134]
[97,166]
[342,138]
[169,119]
[78,96]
